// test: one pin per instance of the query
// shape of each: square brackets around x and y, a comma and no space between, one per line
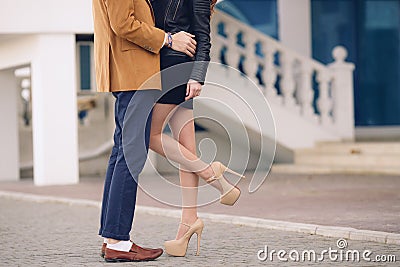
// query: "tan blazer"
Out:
[126,45]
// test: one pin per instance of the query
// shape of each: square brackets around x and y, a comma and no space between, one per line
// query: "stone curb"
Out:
[313,229]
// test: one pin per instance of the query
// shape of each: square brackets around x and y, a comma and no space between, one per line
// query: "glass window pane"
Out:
[85,79]
[370,30]
[378,62]
[260,14]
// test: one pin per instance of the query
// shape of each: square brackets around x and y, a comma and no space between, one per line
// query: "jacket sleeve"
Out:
[201,30]
[123,22]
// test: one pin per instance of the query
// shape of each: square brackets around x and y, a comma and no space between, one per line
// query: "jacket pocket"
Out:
[128,45]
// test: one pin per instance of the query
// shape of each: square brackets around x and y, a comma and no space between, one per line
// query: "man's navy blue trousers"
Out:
[131,142]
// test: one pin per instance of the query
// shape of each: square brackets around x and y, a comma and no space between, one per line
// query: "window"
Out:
[85,63]
[260,14]
[370,30]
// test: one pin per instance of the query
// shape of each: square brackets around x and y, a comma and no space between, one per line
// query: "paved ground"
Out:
[51,234]
[362,202]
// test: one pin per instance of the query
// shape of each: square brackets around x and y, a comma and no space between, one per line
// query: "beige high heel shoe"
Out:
[230,193]
[179,247]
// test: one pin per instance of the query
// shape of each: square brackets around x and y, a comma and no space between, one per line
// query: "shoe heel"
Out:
[235,173]
[198,242]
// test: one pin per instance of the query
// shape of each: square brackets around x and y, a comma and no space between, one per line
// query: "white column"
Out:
[295,25]
[9,143]
[343,93]
[54,111]
[150,168]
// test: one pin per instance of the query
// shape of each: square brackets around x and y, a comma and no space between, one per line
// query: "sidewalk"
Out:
[53,234]
[361,202]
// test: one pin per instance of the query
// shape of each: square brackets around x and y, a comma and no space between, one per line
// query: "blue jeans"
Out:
[128,156]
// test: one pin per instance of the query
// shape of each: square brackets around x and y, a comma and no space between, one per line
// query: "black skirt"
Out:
[174,79]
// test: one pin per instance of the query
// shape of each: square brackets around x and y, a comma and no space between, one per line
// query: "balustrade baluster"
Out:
[269,74]
[232,52]
[250,62]
[305,93]
[324,102]
[287,81]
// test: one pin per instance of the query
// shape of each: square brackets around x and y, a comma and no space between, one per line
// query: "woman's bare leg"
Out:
[171,148]
[181,149]
[182,127]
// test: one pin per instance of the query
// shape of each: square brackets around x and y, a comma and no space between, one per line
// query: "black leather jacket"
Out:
[192,16]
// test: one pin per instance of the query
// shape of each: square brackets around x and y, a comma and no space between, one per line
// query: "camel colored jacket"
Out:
[126,45]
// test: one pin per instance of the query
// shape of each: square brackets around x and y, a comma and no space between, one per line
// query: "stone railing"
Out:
[319,93]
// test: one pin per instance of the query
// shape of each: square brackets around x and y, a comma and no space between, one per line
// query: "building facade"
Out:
[54,41]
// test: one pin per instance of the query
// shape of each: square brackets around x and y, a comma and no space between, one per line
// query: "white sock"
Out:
[120,246]
[105,240]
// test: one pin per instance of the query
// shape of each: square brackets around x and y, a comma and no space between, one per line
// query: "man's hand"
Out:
[193,89]
[184,42]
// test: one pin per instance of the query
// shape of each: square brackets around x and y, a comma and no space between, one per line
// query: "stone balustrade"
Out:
[322,94]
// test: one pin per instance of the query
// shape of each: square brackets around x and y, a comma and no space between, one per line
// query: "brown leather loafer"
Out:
[103,250]
[136,253]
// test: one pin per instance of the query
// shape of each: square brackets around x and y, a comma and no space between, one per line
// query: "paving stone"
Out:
[54,234]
